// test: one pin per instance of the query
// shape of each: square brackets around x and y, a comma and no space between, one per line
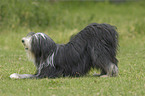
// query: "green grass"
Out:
[60,20]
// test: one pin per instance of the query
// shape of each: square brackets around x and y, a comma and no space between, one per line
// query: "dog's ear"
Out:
[42,45]
[30,33]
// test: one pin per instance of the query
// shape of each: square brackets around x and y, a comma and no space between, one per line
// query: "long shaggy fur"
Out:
[94,47]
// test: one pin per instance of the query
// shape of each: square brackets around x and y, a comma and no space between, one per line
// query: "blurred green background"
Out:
[60,20]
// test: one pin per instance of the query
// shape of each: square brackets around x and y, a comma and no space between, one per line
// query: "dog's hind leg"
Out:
[111,71]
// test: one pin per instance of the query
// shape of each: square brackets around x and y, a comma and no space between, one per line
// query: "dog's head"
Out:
[38,46]
[27,41]
[27,45]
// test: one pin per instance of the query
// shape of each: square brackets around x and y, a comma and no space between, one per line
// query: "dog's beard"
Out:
[27,46]
[30,56]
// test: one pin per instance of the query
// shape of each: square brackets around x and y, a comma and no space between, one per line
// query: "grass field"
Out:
[60,20]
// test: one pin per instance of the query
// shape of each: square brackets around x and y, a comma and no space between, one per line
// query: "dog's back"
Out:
[105,42]
[94,46]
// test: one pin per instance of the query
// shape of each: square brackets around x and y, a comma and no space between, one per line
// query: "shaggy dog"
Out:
[94,47]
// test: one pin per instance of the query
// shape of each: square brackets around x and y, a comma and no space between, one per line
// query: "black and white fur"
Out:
[94,47]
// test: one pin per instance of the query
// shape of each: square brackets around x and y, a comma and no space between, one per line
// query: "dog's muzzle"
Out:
[23,41]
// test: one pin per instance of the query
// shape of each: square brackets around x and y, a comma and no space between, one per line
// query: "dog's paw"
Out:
[96,75]
[15,76]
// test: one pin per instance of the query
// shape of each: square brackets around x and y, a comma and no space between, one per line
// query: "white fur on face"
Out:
[27,42]
[27,45]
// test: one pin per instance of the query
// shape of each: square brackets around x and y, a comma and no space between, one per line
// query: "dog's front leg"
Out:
[22,76]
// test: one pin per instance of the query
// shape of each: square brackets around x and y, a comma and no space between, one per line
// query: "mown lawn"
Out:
[66,19]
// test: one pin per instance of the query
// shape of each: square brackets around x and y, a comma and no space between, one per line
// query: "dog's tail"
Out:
[107,35]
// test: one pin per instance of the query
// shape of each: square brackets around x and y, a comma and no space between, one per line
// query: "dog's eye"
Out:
[23,41]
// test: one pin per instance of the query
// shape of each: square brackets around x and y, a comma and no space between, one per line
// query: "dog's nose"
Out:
[23,41]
